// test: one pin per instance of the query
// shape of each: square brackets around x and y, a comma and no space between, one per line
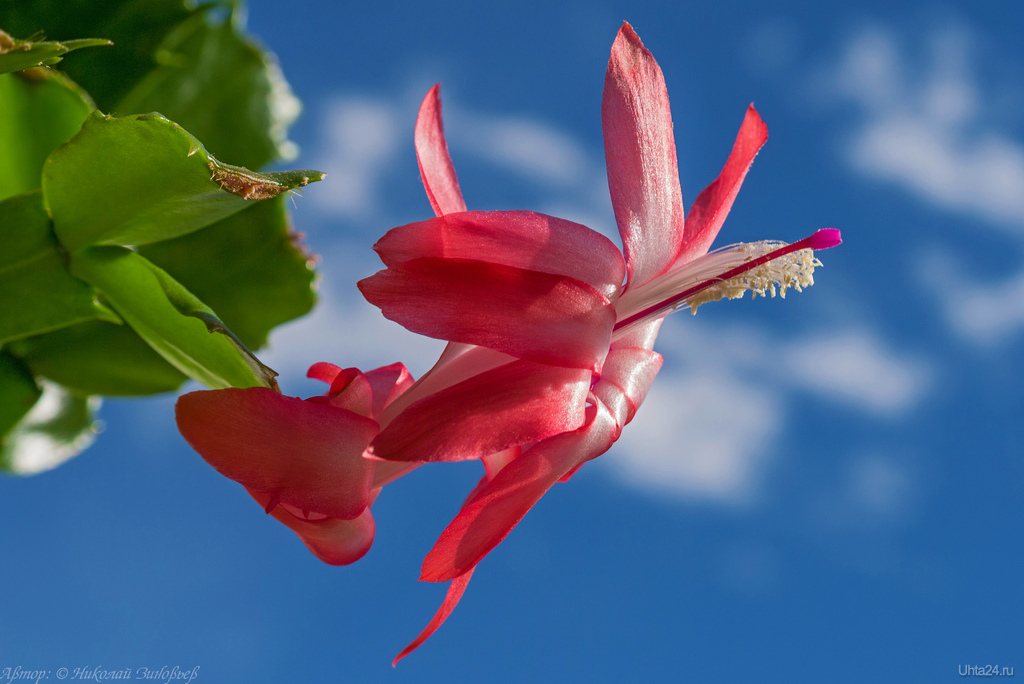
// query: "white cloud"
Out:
[344,329]
[361,137]
[852,367]
[708,431]
[702,436]
[849,366]
[925,132]
[530,148]
[984,313]
[988,313]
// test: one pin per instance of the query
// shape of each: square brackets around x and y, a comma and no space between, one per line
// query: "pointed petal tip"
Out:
[454,594]
[436,169]
[627,32]
[754,117]
[825,238]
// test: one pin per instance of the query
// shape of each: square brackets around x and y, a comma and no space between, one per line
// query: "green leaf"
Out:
[17,55]
[168,317]
[137,27]
[98,358]
[58,428]
[248,268]
[221,87]
[130,181]
[37,294]
[39,110]
[18,392]
[143,178]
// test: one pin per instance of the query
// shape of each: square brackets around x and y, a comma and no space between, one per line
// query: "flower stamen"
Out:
[761,267]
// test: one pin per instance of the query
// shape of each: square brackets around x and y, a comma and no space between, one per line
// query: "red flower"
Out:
[551,334]
[550,354]
[302,460]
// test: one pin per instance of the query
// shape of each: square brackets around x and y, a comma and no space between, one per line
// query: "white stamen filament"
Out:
[794,270]
[701,281]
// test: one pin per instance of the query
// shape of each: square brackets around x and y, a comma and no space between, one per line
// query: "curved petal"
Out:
[349,390]
[493,463]
[298,452]
[323,371]
[458,362]
[335,542]
[487,519]
[455,591]
[640,153]
[628,372]
[714,202]
[523,239]
[642,336]
[436,166]
[388,383]
[536,316]
[519,403]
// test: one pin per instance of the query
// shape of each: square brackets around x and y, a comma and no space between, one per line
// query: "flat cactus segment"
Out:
[140,179]
[37,294]
[40,110]
[172,321]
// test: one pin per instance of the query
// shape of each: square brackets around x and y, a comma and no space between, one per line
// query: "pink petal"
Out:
[323,371]
[523,239]
[493,463]
[531,315]
[568,475]
[641,336]
[640,153]
[451,599]
[436,166]
[499,506]
[388,383]
[350,390]
[628,373]
[458,362]
[714,202]
[335,542]
[519,403]
[298,452]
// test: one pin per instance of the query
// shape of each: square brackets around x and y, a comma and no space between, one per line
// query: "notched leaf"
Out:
[37,294]
[215,325]
[253,185]
[17,55]
[249,268]
[142,178]
[188,304]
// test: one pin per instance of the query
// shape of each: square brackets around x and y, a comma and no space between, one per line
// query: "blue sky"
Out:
[826,487]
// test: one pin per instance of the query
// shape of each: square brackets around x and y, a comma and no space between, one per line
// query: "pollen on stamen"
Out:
[794,270]
[761,267]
